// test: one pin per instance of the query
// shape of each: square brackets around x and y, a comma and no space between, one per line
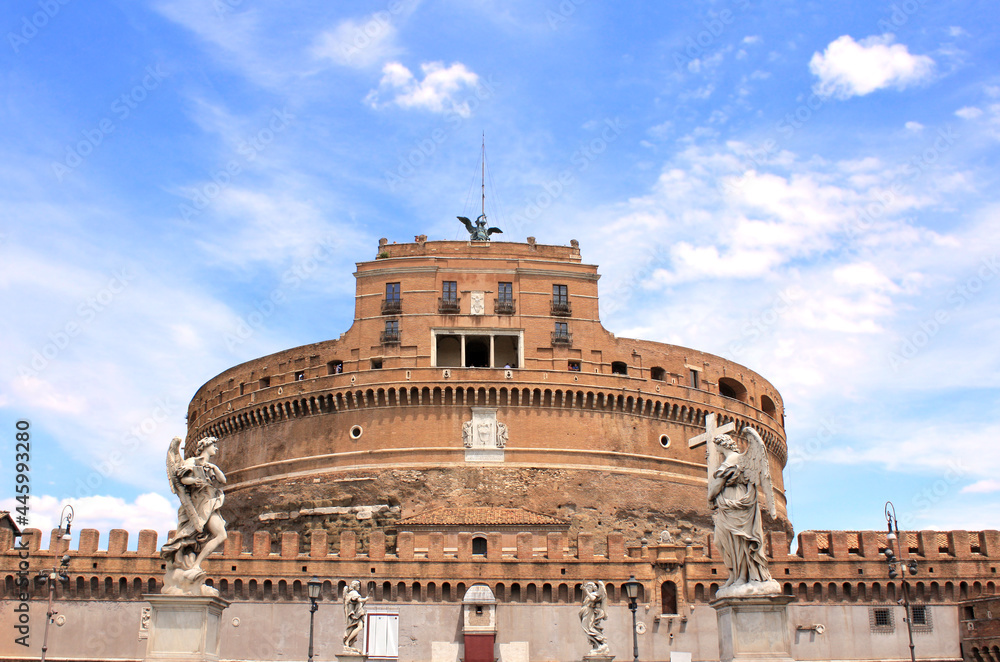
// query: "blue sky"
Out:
[808,189]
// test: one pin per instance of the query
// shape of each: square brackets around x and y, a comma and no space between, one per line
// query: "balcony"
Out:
[561,308]
[392,306]
[390,337]
[503,306]
[449,306]
[562,338]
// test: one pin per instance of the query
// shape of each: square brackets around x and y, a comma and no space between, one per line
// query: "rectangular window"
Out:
[376,364]
[562,328]
[919,614]
[391,333]
[694,378]
[505,292]
[574,366]
[300,375]
[265,382]
[560,294]
[392,291]
[449,290]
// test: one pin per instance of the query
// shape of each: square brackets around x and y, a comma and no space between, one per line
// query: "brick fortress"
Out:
[477,424]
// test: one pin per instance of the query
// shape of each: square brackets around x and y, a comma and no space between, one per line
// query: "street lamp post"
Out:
[898,568]
[57,573]
[313,586]
[631,588]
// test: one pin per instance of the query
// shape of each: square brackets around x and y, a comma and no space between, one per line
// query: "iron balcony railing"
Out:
[449,305]
[561,307]
[390,337]
[392,306]
[503,306]
[562,338]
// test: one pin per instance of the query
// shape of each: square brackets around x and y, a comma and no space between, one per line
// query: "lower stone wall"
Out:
[109,631]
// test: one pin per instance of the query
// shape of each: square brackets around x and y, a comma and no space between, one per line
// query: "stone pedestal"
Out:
[598,658]
[754,629]
[184,628]
[351,656]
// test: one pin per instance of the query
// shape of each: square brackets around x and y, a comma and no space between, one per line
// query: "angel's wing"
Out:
[602,597]
[756,467]
[174,460]
[494,231]
[467,223]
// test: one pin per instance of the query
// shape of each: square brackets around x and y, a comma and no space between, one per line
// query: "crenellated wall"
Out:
[827,567]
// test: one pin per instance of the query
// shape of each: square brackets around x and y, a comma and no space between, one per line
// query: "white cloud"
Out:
[916,127]
[102,512]
[359,43]
[969,113]
[752,39]
[956,31]
[982,486]
[848,68]
[436,92]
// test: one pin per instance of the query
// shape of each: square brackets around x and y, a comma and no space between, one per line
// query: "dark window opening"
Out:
[767,406]
[668,598]
[391,305]
[619,368]
[574,366]
[479,545]
[658,373]
[391,333]
[477,352]
[561,334]
[334,367]
[449,351]
[376,364]
[300,375]
[560,300]
[265,382]
[919,614]
[883,617]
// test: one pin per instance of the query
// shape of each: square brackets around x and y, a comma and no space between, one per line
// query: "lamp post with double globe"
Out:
[631,588]
[898,568]
[57,573]
[313,587]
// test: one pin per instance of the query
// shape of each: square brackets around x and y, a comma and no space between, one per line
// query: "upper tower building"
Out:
[478,373]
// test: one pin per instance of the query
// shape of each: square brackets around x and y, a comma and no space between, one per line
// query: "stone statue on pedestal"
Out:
[197,482]
[354,616]
[592,614]
[739,533]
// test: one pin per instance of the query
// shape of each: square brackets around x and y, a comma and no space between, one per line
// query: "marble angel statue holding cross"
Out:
[733,481]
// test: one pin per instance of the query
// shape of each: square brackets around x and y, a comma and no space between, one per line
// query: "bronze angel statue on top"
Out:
[739,532]
[197,482]
[479,231]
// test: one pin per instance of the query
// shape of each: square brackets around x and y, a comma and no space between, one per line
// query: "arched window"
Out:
[619,368]
[731,388]
[479,545]
[767,406]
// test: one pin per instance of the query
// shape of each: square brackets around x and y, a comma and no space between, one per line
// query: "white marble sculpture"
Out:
[592,614]
[197,482]
[739,533]
[354,616]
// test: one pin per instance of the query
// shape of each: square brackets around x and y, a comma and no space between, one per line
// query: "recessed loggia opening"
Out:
[731,388]
[767,406]
[476,349]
